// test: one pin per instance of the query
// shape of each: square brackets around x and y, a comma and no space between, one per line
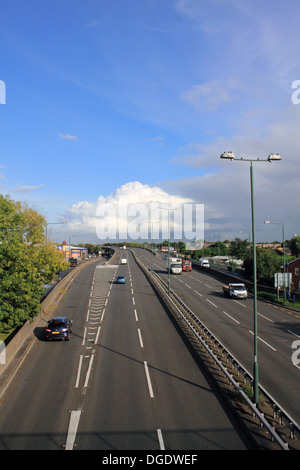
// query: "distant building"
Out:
[293,267]
[77,252]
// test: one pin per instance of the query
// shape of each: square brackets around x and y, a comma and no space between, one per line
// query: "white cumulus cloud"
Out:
[133,211]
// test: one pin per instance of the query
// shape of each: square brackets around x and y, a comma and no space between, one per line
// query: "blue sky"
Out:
[101,94]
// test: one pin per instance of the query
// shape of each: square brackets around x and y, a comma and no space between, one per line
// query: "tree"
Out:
[239,248]
[26,262]
[294,246]
[219,248]
[267,264]
[182,247]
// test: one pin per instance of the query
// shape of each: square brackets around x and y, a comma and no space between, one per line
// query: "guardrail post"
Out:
[280,416]
[292,431]
[275,409]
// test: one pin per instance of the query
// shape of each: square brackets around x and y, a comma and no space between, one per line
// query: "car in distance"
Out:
[58,328]
[205,263]
[120,280]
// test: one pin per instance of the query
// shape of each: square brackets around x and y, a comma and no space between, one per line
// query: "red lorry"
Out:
[186,265]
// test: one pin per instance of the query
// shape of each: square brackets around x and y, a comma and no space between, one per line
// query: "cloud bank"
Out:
[137,211]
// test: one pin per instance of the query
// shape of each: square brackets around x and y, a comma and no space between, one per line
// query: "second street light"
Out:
[271,157]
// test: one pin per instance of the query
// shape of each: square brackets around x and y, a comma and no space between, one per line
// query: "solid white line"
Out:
[89,371]
[78,371]
[148,380]
[73,425]
[267,344]
[140,338]
[160,440]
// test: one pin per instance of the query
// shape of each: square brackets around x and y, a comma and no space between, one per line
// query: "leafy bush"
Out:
[26,262]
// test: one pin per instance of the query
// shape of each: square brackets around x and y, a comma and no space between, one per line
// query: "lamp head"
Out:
[227,155]
[272,157]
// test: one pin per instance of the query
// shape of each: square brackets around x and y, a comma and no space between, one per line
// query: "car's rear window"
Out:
[57,323]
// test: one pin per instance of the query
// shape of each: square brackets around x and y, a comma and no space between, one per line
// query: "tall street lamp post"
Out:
[271,157]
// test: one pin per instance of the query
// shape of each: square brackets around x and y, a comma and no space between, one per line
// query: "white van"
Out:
[204,262]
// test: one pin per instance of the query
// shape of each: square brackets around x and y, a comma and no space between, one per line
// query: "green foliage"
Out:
[294,246]
[280,300]
[218,249]
[267,264]
[26,262]
[239,248]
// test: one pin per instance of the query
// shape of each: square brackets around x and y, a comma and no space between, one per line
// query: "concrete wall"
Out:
[24,337]
[48,306]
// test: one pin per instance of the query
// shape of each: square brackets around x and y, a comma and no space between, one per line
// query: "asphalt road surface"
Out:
[231,321]
[125,380]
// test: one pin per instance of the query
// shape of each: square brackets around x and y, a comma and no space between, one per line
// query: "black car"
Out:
[59,328]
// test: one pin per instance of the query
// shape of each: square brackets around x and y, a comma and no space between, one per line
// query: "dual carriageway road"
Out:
[125,381]
[231,321]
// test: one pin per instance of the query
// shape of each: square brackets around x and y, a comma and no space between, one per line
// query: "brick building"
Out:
[294,268]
